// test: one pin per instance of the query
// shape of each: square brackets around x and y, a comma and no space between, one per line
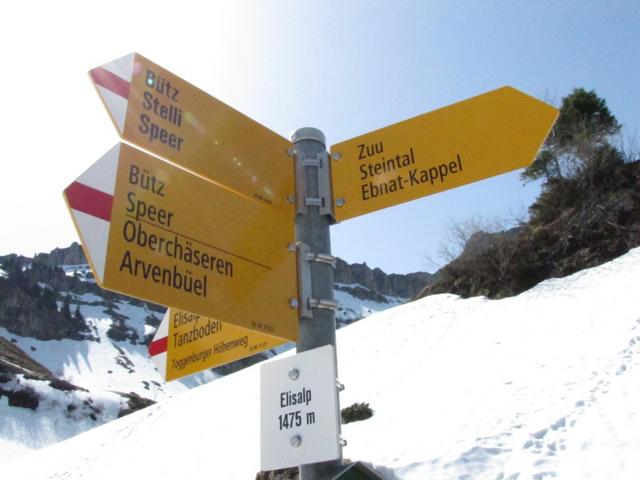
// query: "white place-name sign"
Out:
[299,417]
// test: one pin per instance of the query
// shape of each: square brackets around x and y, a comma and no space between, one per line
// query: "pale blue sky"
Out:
[346,67]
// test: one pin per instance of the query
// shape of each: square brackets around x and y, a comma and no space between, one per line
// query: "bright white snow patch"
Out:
[539,386]
[3,273]
[101,363]
[59,415]
[82,271]
[351,308]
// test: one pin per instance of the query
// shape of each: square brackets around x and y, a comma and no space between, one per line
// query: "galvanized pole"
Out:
[313,218]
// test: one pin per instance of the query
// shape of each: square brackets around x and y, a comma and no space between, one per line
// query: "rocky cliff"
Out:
[35,300]
[43,298]
[72,255]
[358,279]
[379,282]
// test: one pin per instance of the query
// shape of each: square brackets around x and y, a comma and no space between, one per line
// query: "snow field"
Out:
[539,386]
[493,389]
[102,366]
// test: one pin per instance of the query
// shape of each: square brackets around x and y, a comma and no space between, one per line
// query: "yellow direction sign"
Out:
[477,138]
[159,112]
[187,343]
[155,231]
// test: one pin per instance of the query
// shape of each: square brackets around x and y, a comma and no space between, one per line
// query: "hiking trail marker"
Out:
[187,343]
[158,111]
[299,410]
[157,232]
[477,138]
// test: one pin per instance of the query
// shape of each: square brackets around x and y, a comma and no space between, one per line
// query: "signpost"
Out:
[187,343]
[157,232]
[483,136]
[299,412]
[158,111]
[211,230]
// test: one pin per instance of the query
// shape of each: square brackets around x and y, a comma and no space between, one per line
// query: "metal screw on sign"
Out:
[294,373]
[340,202]
[296,441]
[336,155]
[293,302]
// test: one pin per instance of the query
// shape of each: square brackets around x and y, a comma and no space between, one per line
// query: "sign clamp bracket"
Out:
[323,199]
[321,258]
[307,302]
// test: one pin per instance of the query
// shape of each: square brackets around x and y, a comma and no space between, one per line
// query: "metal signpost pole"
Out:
[313,217]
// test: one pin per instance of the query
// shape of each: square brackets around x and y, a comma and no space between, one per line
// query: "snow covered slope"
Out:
[102,363]
[105,363]
[351,308]
[542,385]
[99,366]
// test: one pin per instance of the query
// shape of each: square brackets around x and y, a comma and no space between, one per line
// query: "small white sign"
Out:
[299,417]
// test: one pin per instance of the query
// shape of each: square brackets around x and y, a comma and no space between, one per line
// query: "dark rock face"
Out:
[24,398]
[291,473]
[13,360]
[397,285]
[33,289]
[72,255]
[29,305]
[134,403]
[481,241]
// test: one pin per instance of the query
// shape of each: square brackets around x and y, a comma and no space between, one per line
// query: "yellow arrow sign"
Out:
[186,343]
[477,138]
[155,231]
[159,112]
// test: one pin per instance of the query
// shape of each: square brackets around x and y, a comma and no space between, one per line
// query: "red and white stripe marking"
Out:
[90,199]
[158,347]
[113,82]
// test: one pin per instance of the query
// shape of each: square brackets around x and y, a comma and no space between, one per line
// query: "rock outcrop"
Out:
[377,281]
[576,223]
[72,255]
